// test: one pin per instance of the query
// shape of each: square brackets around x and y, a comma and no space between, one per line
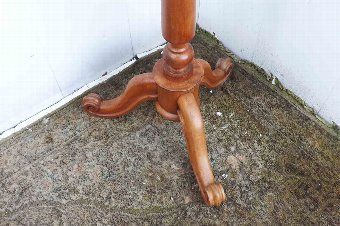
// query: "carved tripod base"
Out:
[177,99]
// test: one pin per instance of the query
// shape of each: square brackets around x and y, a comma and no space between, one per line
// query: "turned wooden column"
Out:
[174,84]
[178,28]
[177,74]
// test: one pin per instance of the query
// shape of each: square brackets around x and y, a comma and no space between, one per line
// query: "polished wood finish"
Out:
[194,131]
[141,88]
[174,83]
[178,20]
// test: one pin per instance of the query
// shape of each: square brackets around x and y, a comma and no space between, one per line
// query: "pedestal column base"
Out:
[177,99]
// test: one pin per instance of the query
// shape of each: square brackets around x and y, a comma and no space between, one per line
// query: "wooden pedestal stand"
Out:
[174,85]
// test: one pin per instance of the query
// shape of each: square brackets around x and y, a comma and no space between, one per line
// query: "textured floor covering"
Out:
[276,164]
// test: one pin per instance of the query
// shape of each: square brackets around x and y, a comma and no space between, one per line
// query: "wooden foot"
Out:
[214,78]
[191,119]
[139,89]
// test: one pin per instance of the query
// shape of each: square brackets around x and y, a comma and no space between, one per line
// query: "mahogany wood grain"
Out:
[212,79]
[174,83]
[139,89]
[178,20]
[194,131]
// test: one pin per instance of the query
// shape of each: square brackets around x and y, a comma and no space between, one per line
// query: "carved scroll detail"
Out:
[140,88]
[214,78]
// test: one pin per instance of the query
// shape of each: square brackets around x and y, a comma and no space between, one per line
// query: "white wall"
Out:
[296,40]
[49,48]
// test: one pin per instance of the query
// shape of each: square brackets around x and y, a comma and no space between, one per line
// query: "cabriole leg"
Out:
[191,119]
[139,89]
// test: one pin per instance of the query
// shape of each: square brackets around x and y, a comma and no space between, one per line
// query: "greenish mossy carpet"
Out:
[276,164]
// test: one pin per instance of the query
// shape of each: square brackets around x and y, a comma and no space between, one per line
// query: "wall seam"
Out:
[130,35]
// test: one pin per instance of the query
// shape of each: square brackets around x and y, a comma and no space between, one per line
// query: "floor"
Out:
[275,162]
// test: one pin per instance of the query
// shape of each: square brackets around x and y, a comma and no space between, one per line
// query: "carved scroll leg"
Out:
[214,78]
[190,115]
[139,89]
